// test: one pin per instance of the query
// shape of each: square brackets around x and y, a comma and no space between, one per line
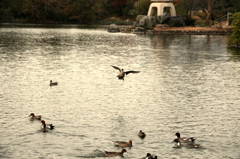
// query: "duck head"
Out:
[177,134]
[32,114]
[43,122]
[148,155]
[124,150]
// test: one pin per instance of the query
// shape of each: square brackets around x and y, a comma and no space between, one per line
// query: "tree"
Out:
[10,9]
[209,11]
[34,9]
[115,7]
[234,39]
[141,7]
[185,7]
[88,11]
[129,6]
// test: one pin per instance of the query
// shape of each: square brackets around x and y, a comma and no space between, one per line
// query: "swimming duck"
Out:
[53,83]
[48,126]
[122,73]
[110,154]
[141,134]
[44,129]
[188,144]
[123,143]
[184,140]
[149,156]
[32,116]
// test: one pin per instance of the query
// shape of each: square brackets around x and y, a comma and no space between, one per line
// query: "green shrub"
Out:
[234,39]
[190,22]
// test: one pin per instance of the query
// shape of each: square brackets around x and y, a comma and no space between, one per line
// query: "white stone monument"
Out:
[161,8]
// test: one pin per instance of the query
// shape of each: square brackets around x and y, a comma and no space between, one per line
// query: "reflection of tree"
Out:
[235,52]
[162,41]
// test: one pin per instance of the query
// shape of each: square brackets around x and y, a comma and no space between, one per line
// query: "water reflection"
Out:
[235,54]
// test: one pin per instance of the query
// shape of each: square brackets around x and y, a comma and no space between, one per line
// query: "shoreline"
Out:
[166,30]
[190,31]
[129,29]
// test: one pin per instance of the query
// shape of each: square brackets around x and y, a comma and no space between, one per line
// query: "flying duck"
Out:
[32,116]
[123,143]
[141,134]
[188,144]
[110,154]
[122,73]
[53,83]
[48,126]
[184,139]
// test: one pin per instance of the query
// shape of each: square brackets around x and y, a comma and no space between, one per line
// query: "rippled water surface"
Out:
[189,84]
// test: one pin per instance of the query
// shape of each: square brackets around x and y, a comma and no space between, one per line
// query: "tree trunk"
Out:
[209,12]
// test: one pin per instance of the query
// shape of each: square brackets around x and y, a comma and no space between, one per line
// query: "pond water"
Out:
[187,84]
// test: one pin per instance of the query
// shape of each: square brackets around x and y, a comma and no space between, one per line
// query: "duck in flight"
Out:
[122,73]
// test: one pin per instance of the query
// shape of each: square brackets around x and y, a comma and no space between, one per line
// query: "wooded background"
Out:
[94,11]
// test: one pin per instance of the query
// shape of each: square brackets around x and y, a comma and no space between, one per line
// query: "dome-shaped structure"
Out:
[161,7]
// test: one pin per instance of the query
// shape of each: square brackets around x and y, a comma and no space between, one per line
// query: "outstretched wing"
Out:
[132,72]
[117,68]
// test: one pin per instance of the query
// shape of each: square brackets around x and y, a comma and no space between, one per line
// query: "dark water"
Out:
[189,84]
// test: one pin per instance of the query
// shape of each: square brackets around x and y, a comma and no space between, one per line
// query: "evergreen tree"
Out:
[234,39]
